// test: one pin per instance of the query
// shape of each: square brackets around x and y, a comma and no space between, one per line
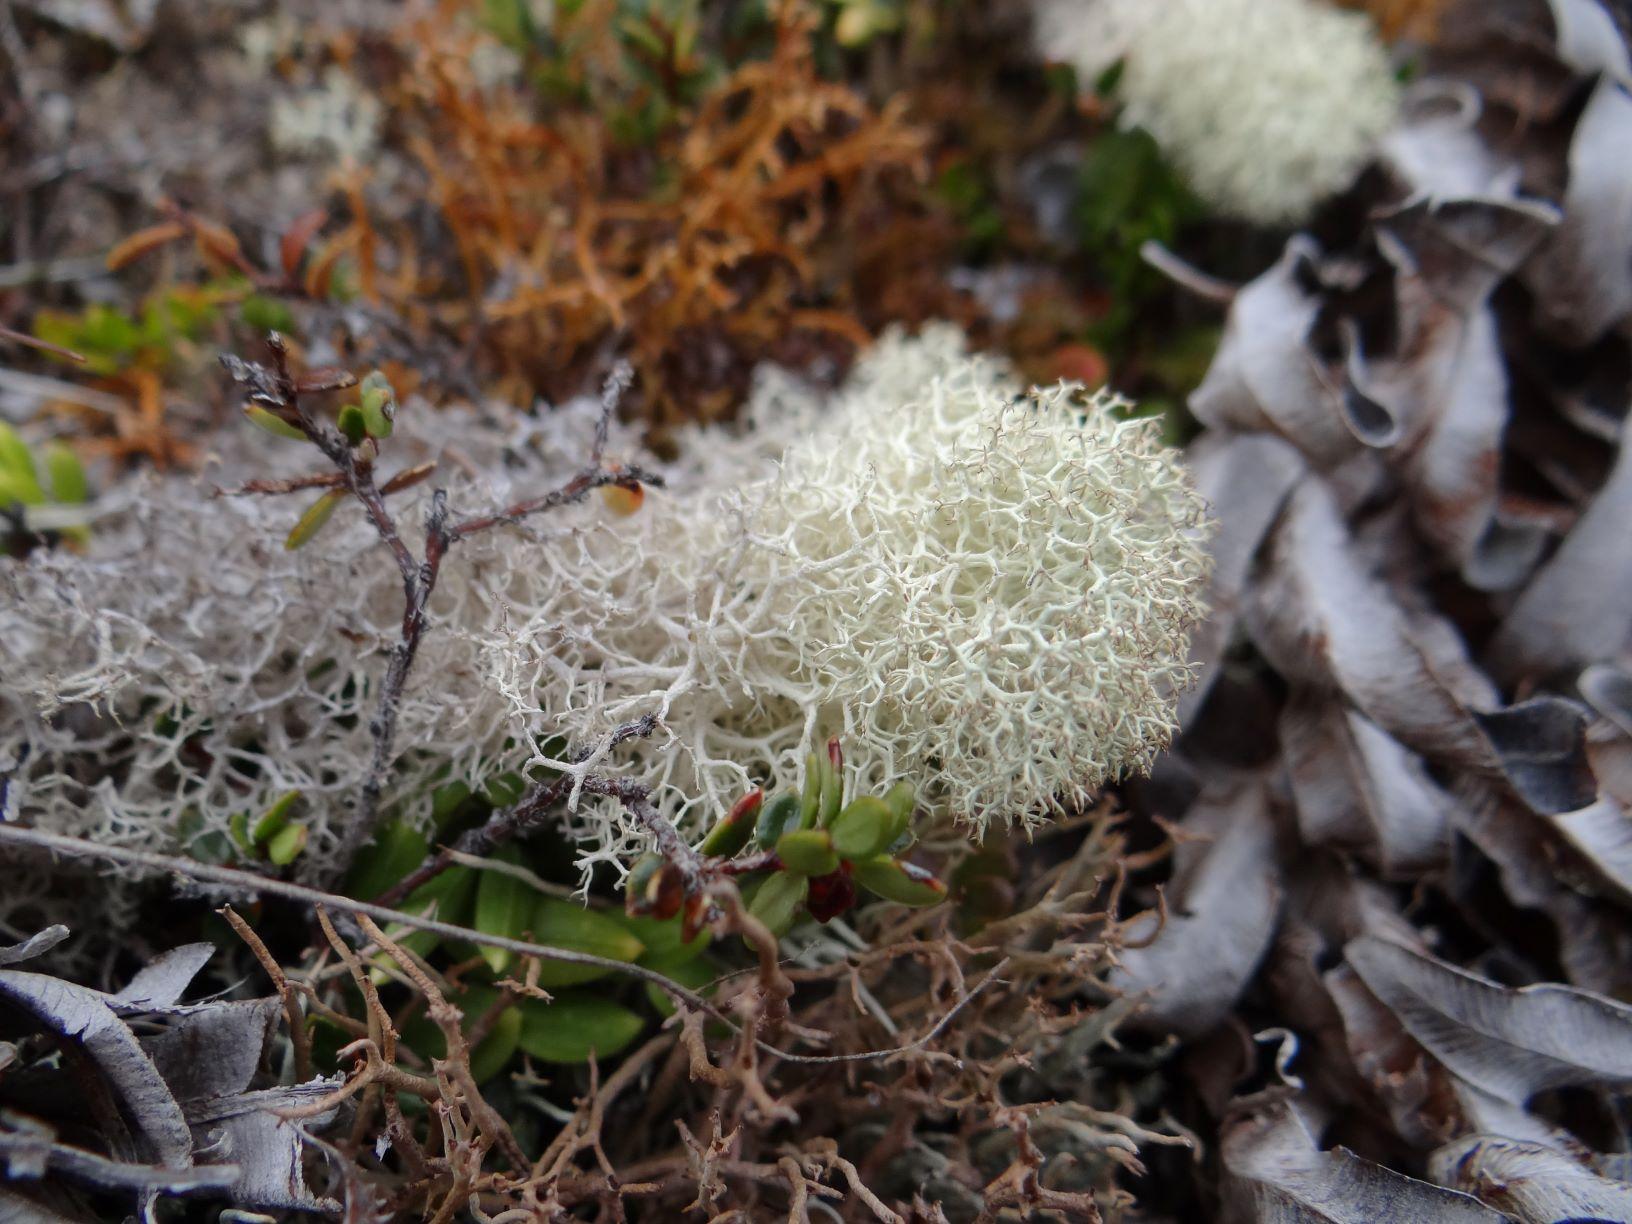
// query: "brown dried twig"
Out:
[278,390]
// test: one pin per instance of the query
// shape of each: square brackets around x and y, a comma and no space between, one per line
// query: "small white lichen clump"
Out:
[983,591]
[1266,106]
[337,119]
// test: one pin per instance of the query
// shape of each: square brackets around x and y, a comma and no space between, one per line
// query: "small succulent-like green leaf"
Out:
[69,487]
[638,884]
[902,799]
[445,801]
[238,829]
[13,492]
[832,789]
[898,881]
[810,798]
[284,846]
[317,514]
[378,408]
[810,852]
[271,422]
[352,423]
[395,851]
[18,464]
[445,897]
[563,924]
[864,828]
[779,816]
[574,1026]
[498,1047]
[662,939]
[504,907]
[505,790]
[731,833]
[691,973]
[777,902]
[275,818]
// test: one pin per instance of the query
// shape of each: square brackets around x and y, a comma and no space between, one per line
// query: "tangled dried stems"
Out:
[967,1055]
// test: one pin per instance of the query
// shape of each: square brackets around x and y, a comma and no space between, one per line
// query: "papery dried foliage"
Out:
[135,1094]
[722,241]
[1415,449]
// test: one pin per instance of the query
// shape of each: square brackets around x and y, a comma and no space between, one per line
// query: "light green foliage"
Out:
[822,847]
[42,502]
[153,336]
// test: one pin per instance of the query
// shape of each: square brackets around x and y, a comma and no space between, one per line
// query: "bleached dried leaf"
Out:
[1603,834]
[1531,1182]
[1510,1043]
[1245,479]
[1436,150]
[33,1153]
[265,1148]
[212,1050]
[1458,250]
[1448,382]
[1595,944]
[1277,1174]
[1264,378]
[1325,622]
[160,982]
[1582,279]
[1588,40]
[1607,688]
[1221,915]
[1413,1088]
[1356,787]
[35,945]
[1577,609]
[84,1015]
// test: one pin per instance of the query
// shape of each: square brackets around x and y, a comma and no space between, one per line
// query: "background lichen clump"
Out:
[1267,107]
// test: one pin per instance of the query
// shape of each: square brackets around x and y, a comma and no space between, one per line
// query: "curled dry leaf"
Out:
[84,1015]
[1323,621]
[1436,151]
[182,1072]
[35,945]
[1245,479]
[1264,378]
[1607,688]
[1531,1182]
[1276,1173]
[1577,609]
[1582,279]
[1586,39]
[162,980]
[1354,786]
[1221,915]
[1509,1043]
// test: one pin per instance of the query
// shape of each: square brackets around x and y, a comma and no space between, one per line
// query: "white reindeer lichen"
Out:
[984,591]
[1266,106]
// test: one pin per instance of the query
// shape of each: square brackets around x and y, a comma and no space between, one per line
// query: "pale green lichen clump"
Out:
[984,591]
[1266,106]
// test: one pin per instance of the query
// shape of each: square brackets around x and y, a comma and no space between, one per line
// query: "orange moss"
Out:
[1414,19]
[730,234]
